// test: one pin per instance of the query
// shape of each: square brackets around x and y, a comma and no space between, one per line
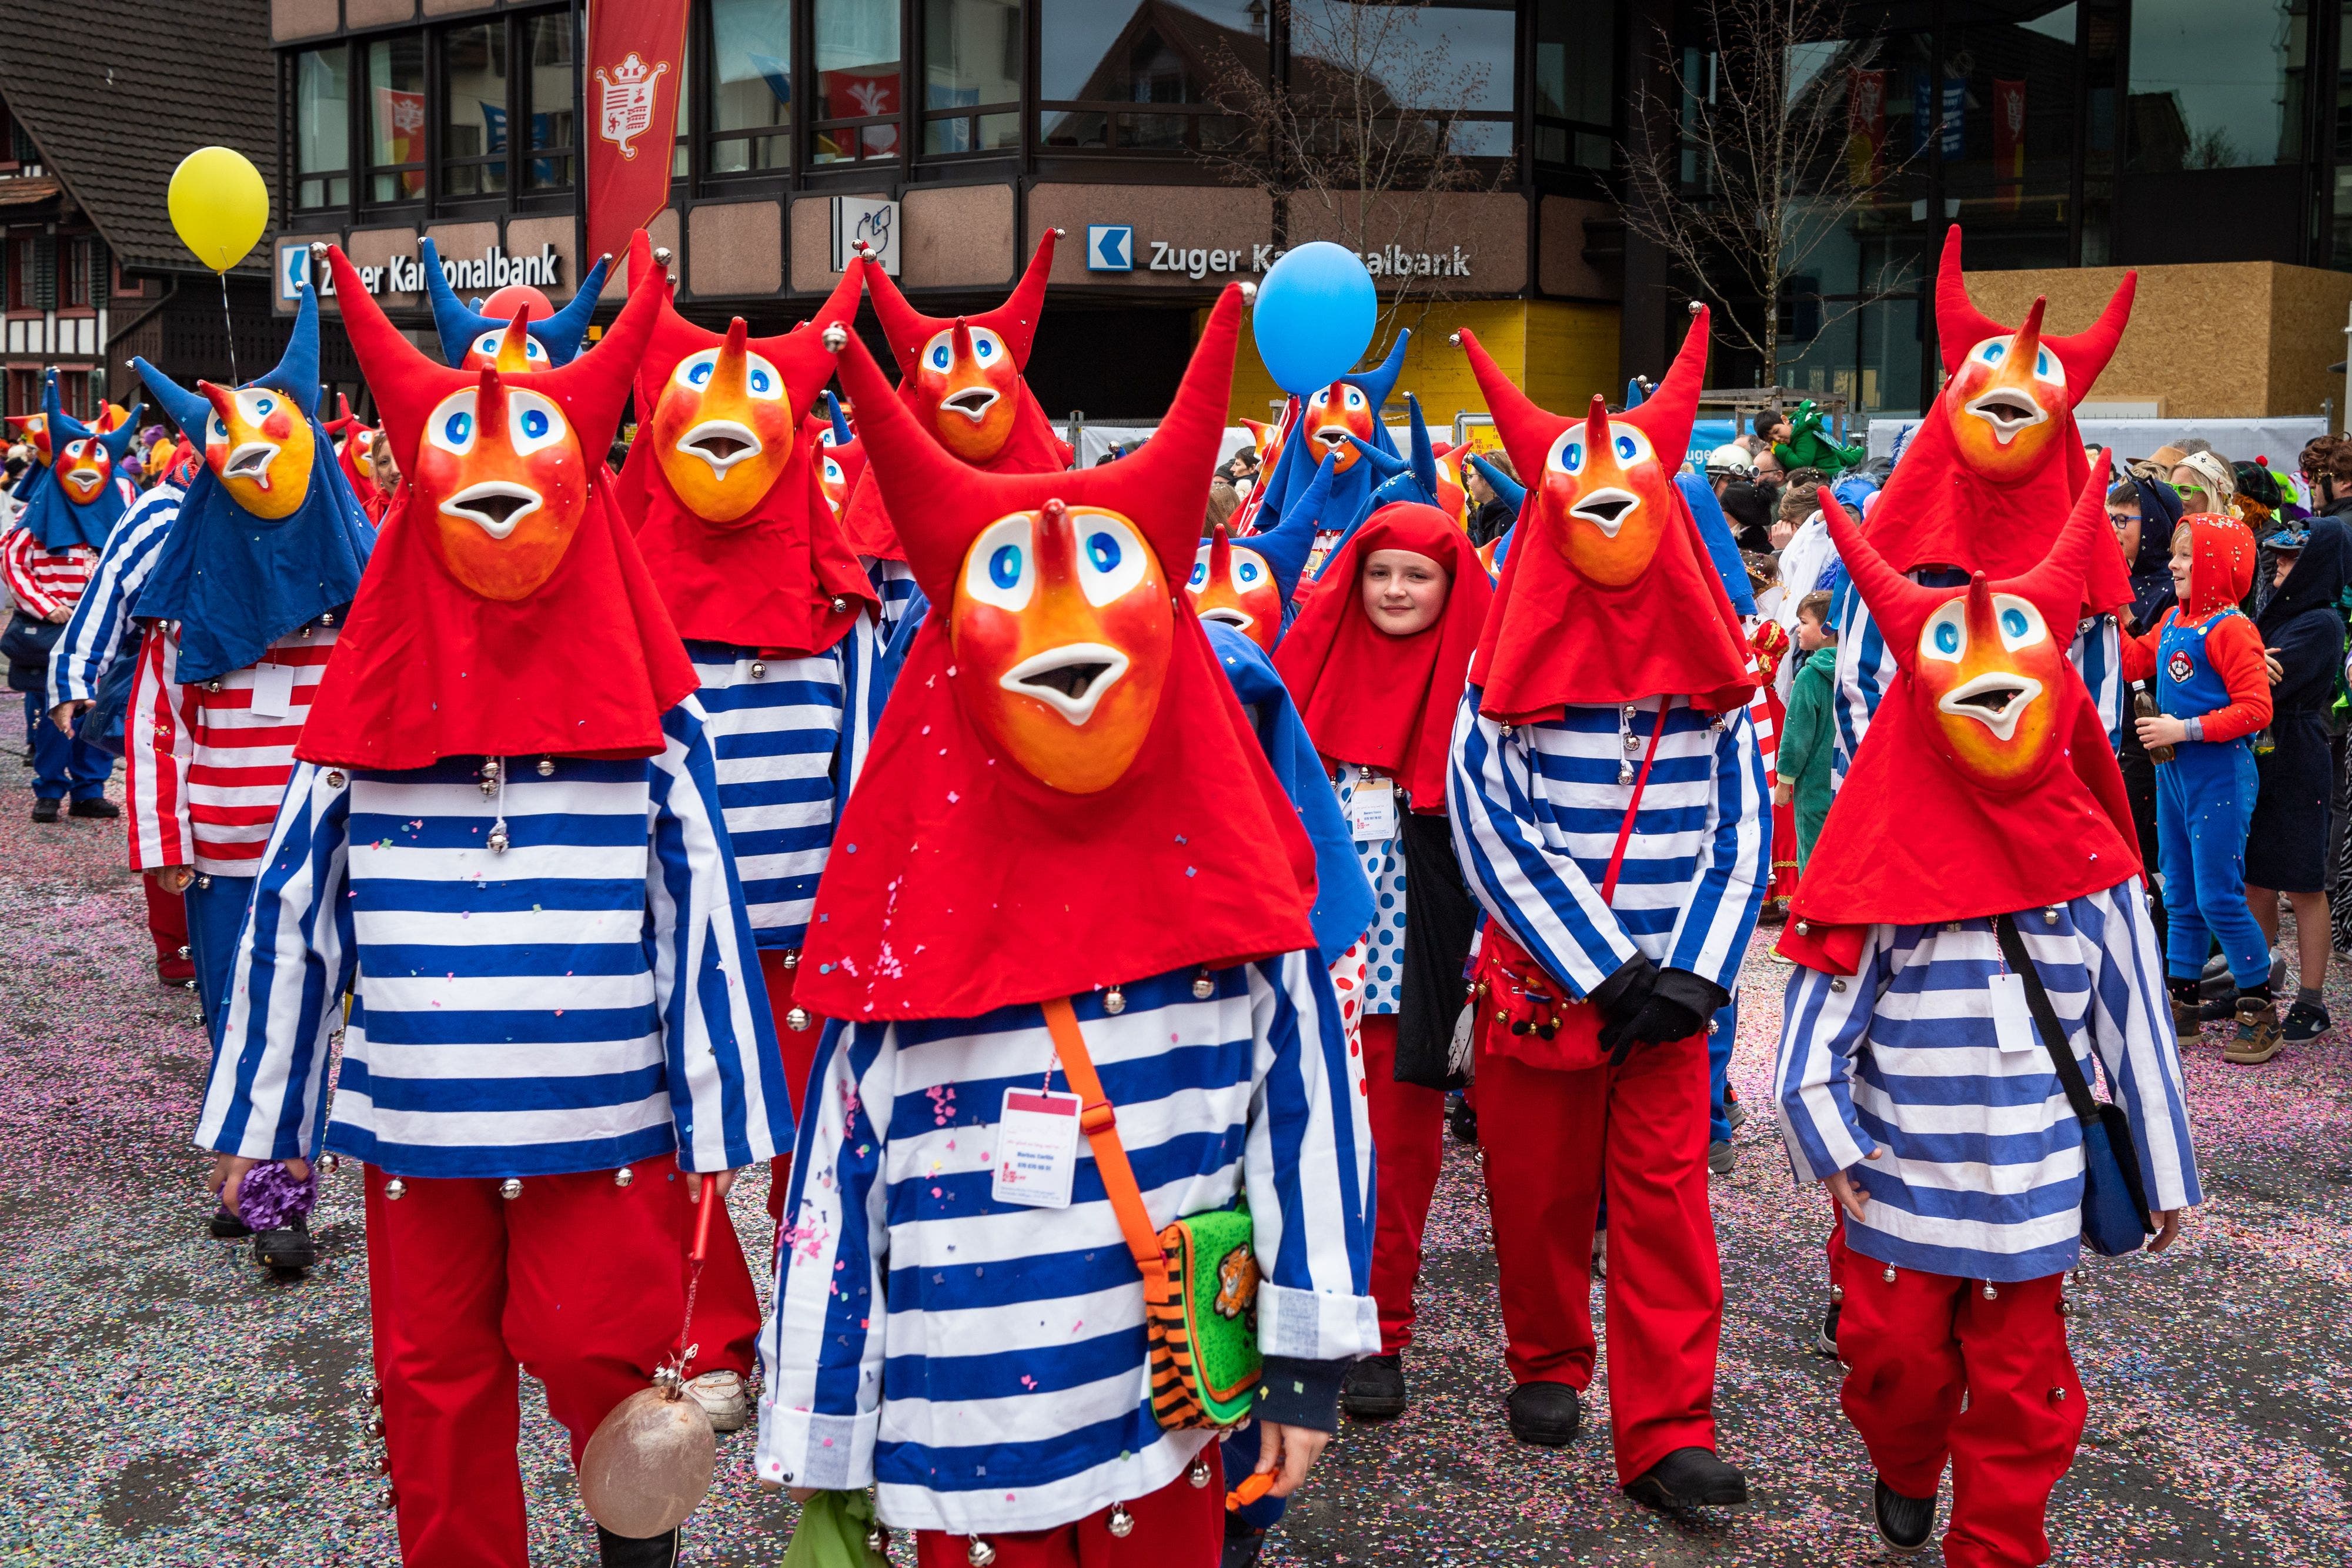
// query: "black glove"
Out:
[1620,997]
[1678,1006]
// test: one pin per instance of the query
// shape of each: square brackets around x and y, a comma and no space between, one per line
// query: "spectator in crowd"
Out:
[1798,504]
[1491,516]
[2205,483]
[1240,470]
[1750,513]
[2286,840]
[1805,744]
[2145,512]
[1223,500]
[1728,465]
[2327,466]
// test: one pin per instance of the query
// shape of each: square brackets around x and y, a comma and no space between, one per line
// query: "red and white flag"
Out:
[636,60]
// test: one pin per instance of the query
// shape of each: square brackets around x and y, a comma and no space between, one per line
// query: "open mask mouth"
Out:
[1226,615]
[2008,410]
[721,443]
[1071,679]
[1606,509]
[972,402]
[495,506]
[1332,436]
[250,461]
[1996,700]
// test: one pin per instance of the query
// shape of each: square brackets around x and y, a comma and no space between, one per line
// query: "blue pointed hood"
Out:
[1380,381]
[1343,899]
[1508,490]
[1722,548]
[1417,481]
[51,514]
[458,324]
[842,435]
[1286,545]
[237,582]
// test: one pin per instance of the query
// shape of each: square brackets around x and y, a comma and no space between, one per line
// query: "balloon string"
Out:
[229,329]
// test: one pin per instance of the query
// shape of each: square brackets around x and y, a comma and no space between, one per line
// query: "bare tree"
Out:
[1754,160]
[1350,147]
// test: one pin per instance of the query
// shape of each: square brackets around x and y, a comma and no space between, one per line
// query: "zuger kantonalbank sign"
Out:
[1114,247]
[493,269]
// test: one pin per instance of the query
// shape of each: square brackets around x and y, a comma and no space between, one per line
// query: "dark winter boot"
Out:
[1374,1389]
[1904,1523]
[645,1551]
[1686,1479]
[1545,1413]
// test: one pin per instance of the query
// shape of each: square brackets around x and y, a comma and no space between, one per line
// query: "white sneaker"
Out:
[721,1395]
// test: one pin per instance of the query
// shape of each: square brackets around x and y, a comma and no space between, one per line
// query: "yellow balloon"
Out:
[220,205]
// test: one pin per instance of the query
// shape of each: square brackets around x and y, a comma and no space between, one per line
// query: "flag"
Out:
[1866,124]
[637,61]
[2008,142]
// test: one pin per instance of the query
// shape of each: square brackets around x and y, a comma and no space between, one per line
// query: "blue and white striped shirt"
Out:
[587,998]
[1536,809]
[985,1363]
[1982,1177]
[1866,668]
[894,584]
[88,643]
[790,737]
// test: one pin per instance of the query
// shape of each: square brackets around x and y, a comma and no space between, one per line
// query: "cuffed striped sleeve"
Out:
[726,1079]
[2131,1035]
[16,566]
[88,646]
[1865,669]
[1735,861]
[861,706]
[1540,896]
[158,748]
[266,1096]
[822,1344]
[1308,1164]
[1825,1022]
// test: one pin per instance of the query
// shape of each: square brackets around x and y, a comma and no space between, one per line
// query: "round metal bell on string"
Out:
[1122,1523]
[980,1553]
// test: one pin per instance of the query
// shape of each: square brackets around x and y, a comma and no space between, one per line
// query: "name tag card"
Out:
[1036,1148]
[273,690]
[1371,811]
[2012,1021]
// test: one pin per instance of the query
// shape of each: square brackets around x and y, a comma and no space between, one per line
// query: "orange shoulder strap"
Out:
[1098,1118]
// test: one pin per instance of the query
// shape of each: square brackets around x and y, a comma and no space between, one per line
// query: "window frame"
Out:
[703,137]
[1025,24]
[78,275]
[364,198]
[352,174]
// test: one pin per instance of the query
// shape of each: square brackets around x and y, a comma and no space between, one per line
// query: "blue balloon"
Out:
[1314,316]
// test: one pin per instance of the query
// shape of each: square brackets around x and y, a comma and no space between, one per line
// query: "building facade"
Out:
[2185,138]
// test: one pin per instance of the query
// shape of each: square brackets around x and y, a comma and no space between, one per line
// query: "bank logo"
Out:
[626,109]
[1110,248]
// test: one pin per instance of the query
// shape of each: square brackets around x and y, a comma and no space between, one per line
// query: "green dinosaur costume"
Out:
[1809,445]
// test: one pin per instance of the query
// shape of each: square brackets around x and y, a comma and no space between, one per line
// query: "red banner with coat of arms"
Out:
[636,60]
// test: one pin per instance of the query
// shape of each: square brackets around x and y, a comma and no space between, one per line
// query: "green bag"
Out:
[1212,1261]
[832,1531]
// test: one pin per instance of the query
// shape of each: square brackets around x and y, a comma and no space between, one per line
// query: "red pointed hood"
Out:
[1608,593]
[465,640]
[778,576]
[2221,565]
[1996,460]
[1986,785]
[971,883]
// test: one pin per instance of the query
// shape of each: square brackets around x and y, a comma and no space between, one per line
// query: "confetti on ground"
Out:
[163,1406]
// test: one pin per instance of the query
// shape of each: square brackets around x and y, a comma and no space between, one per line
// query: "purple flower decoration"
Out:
[270,1197]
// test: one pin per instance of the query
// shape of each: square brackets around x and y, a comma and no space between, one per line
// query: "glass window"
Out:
[751,91]
[322,126]
[78,272]
[2009,161]
[20,277]
[857,80]
[474,110]
[395,75]
[1450,57]
[1576,86]
[971,57]
[546,46]
[2215,86]
[1182,57]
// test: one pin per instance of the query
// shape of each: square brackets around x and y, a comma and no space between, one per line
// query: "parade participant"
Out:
[962,379]
[47,559]
[723,497]
[1077,853]
[1971,933]
[525,879]
[239,604]
[1605,732]
[354,443]
[1994,466]
[1351,409]
[1251,584]
[471,340]
[2203,661]
[1376,665]
[840,458]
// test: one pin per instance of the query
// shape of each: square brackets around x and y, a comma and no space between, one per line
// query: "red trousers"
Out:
[726,1310]
[1551,1140]
[1178,1526]
[167,925]
[1936,1372]
[576,1279]
[1409,1141]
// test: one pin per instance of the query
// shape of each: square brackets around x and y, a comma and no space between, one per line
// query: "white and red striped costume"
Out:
[42,580]
[205,774]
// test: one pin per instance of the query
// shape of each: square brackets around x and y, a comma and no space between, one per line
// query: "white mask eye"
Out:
[2020,623]
[2049,366]
[451,425]
[1355,398]
[940,353]
[833,475]
[216,429]
[1110,556]
[486,345]
[1946,635]
[1200,578]
[531,349]
[1250,569]
[694,371]
[986,347]
[1568,452]
[533,422]
[760,380]
[1001,568]
[1628,444]
[1320,400]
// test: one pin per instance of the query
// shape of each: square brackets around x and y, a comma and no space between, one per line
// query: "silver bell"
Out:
[547,767]
[2059,1394]
[183,950]
[334,779]
[511,1189]
[624,1176]
[1889,1275]
[2050,916]
[390,1499]
[331,1164]
[759,670]
[836,339]
[980,1553]
[877,1540]
[797,1019]
[839,604]
[376,1425]
[489,768]
[1837,1293]
[1990,1294]
[1198,1474]
[1625,772]
[1114,1001]
[395,1190]
[1203,987]
[791,957]
[206,882]
[497,840]
[1122,1523]
[375,1394]
[1804,929]
[212,685]
[327,618]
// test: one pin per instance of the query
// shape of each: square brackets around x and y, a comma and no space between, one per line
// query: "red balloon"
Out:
[502,306]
